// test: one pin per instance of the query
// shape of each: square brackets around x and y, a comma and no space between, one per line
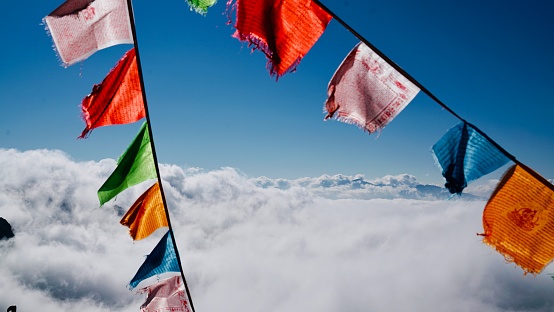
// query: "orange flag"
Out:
[117,99]
[146,215]
[519,219]
[284,30]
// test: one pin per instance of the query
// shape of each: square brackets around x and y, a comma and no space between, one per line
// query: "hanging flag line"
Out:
[538,177]
[465,153]
[517,221]
[387,59]
[412,79]
[141,79]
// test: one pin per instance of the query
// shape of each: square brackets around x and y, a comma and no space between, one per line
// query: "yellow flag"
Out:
[519,219]
[146,215]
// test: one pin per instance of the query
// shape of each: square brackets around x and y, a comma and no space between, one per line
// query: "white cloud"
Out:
[482,189]
[253,244]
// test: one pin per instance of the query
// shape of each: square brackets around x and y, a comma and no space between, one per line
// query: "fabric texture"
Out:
[133,167]
[81,27]
[285,30]
[162,259]
[518,219]
[201,6]
[367,91]
[117,99]
[166,295]
[146,215]
[465,155]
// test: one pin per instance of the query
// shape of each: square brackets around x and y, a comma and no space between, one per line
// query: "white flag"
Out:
[81,27]
[367,91]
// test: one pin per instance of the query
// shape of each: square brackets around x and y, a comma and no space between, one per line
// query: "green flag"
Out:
[201,6]
[134,166]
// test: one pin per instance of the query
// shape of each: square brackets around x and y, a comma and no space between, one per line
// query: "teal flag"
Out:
[465,155]
[162,259]
[134,166]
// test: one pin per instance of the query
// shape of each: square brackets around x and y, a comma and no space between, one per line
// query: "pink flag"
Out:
[166,295]
[367,91]
[81,27]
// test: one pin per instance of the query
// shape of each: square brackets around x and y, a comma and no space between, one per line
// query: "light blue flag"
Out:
[162,259]
[465,155]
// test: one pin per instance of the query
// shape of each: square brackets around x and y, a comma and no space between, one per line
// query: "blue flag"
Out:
[465,155]
[162,259]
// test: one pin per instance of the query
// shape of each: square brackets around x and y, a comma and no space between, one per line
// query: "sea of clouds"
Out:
[329,243]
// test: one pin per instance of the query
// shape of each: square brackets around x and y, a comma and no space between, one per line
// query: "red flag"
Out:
[284,30]
[117,99]
[81,27]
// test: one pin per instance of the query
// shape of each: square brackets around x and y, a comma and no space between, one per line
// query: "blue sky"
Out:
[322,243]
[213,104]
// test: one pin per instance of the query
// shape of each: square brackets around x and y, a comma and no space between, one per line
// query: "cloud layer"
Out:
[254,244]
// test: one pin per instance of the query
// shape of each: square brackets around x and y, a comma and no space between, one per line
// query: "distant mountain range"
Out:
[342,186]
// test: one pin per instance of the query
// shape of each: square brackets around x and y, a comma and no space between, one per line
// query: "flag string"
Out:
[412,79]
[164,201]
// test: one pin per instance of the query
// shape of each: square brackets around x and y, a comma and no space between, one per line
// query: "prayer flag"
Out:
[146,215]
[465,155]
[284,30]
[518,219]
[201,6]
[165,295]
[117,99]
[81,27]
[133,167]
[366,91]
[162,259]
